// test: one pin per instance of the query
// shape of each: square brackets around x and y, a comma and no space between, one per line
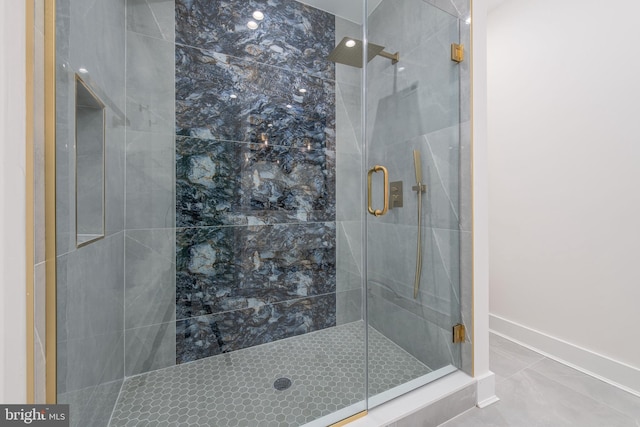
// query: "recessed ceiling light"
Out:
[302,90]
[289,106]
[258,16]
[350,43]
[270,125]
[252,25]
[232,96]
[83,70]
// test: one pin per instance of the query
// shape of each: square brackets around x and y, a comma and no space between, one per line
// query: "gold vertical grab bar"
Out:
[385,174]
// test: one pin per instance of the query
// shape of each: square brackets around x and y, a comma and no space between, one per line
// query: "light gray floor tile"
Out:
[507,358]
[531,399]
[598,390]
[513,350]
[538,392]
[504,366]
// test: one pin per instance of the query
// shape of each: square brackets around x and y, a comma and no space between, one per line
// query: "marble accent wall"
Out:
[421,104]
[255,174]
[90,41]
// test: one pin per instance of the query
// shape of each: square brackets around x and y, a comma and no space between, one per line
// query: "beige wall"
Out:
[564,158]
[12,202]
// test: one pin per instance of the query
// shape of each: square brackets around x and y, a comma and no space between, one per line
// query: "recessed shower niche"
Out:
[90,149]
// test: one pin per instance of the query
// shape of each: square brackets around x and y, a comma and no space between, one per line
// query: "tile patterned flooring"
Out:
[539,392]
[236,389]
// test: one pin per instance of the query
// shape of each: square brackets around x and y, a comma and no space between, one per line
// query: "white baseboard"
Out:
[486,390]
[604,368]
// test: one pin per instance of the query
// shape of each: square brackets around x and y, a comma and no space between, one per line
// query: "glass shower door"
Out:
[413,161]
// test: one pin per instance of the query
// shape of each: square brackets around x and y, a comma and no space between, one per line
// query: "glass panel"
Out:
[239,128]
[240,218]
[413,130]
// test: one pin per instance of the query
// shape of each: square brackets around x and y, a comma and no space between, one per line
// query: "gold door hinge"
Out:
[459,333]
[457,52]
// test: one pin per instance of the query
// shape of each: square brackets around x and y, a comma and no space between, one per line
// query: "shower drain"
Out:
[282,383]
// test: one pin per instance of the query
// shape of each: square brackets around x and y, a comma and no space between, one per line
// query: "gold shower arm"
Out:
[394,57]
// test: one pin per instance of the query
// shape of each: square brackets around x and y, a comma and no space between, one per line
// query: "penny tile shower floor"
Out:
[237,389]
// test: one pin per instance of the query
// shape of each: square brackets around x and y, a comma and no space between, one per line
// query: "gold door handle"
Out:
[385,174]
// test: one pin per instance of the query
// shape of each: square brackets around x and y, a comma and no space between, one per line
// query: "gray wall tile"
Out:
[99,407]
[422,339]
[154,18]
[150,274]
[91,289]
[150,190]
[97,36]
[349,198]
[466,183]
[349,255]
[466,298]
[114,175]
[65,161]
[349,118]
[348,306]
[39,290]
[150,84]
[150,347]
[87,362]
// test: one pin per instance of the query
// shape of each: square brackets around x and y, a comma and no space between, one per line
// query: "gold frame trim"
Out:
[50,196]
[350,419]
[29,198]
[473,219]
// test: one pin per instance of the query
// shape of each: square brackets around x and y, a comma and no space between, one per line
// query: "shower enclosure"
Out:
[263,207]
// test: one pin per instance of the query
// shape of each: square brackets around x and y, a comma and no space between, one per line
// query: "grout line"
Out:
[155,251]
[155,19]
[176,320]
[253,61]
[255,225]
[272,145]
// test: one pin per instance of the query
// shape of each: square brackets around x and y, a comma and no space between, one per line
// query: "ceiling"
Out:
[492,4]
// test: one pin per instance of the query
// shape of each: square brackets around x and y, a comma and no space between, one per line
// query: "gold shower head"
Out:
[349,52]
